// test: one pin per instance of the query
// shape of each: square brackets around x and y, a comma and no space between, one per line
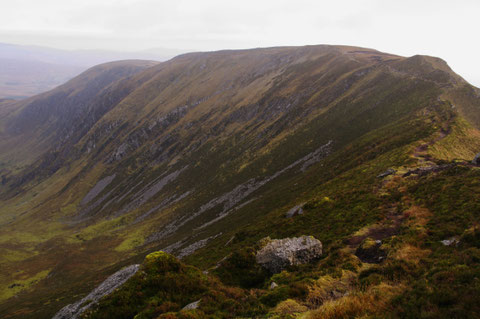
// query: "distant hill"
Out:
[29,70]
[206,154]
[24,78]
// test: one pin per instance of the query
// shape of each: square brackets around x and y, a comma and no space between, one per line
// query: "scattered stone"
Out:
[297,210]
[370,251]
[74,310]
[281,253]
[476,159]
[192,305]
[317,155]
[389,171]
[421,171]
[190,249]
[450,241]
[273,285]
[230,240]
[220,262]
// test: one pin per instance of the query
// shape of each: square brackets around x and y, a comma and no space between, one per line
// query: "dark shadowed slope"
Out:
[41,123]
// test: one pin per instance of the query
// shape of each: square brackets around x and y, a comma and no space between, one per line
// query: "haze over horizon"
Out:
[437,28]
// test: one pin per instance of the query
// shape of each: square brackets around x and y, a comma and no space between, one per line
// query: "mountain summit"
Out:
[205,154]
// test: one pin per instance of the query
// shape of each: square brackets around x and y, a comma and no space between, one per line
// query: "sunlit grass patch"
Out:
[21,282]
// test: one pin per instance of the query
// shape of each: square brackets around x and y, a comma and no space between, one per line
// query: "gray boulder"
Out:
[296,210]
[74,310]
[192,305]
[450,241]
[281,253]
[389,171]
[476,159]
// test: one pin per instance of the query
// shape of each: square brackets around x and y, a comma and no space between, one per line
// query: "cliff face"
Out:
[135,156]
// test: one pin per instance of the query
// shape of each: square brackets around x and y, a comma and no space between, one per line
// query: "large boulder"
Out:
[278,254]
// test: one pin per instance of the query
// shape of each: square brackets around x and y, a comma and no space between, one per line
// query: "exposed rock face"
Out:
[190,249]
[74,310]
[296,210]
[421,171]
[450,241]
[192,305]
[389,171]
[476,159]
[281,253]
[97,189]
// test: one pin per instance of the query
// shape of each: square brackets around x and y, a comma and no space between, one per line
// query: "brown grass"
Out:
[411,253]
[417,216]
[373,301]
[327,288]
[288,307]
[462,143]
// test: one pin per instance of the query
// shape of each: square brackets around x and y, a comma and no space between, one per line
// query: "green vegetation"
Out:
[164,285]
[231,125]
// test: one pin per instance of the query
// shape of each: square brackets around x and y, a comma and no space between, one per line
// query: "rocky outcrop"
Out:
[190,249]
[281,253]
[232,199]
[476,159]
[451,241]
[389,171]
[149,191]
[294,211]
[97,189]
[192,305]
[273,285]
[421,171]
[74,310]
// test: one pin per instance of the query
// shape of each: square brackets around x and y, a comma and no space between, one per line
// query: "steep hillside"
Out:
[44,122]
[203,155]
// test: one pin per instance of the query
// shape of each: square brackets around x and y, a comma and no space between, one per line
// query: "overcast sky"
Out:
[444,28]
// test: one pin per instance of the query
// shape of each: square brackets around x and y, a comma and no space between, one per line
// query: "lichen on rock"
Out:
[278,254]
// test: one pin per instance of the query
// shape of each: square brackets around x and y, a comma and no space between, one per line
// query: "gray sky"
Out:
[443,28]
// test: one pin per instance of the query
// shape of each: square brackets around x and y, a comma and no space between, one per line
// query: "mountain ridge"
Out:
[187,153]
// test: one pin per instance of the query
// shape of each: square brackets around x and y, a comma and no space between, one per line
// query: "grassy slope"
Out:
[40,122]
[420,278]
[376,119]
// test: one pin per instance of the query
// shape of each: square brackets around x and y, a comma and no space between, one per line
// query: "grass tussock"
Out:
[327,287]
[374,301]
[289,307]
[462,143]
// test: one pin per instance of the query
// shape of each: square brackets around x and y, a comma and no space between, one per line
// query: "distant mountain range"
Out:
[206,155]
[29,70]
